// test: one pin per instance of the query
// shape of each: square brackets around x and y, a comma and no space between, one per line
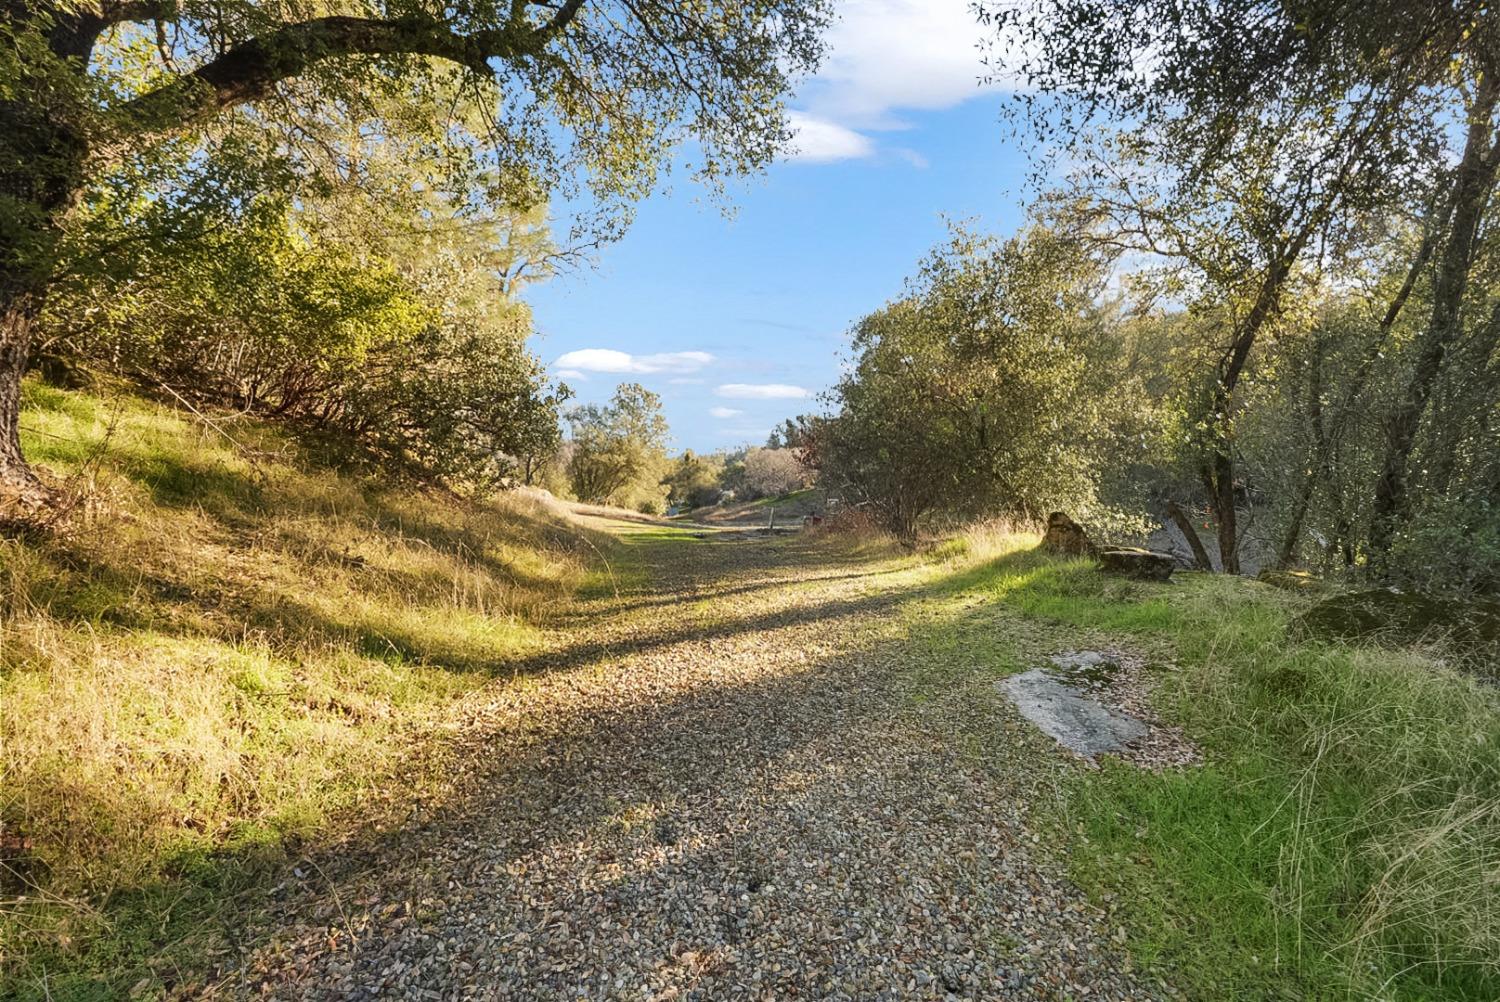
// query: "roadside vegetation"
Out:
[235,651]
[240,655]
[1341,838]
[283,488]
[1259,303]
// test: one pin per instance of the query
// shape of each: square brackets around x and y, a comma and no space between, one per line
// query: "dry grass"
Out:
[852,527]
[233,647]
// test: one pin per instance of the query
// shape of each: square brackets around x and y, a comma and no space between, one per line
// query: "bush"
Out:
[774,472]
[399,351]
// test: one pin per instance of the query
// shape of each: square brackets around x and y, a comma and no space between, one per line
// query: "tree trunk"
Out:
[1286,554]
[22,494]
[1222,481]
[1473,182]
[1190,533]
[43,159]
[1320,467]
[1218,475]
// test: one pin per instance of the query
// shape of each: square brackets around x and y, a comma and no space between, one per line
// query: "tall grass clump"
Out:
[233,649]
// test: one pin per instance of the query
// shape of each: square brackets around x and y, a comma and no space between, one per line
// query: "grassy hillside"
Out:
[232,650]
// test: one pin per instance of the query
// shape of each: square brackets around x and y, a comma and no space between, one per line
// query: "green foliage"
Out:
[793,433]
[386,332]
[1260,154]
[693,481]
[242,651]
[618,450]
[1341,837]
[512,102]
[988,389]
[495,108]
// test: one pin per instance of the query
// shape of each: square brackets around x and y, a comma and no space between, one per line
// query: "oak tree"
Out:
[594,93]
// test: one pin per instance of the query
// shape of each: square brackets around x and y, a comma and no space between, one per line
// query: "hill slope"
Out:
[232,651]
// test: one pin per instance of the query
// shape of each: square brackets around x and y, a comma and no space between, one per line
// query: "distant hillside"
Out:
[790,509]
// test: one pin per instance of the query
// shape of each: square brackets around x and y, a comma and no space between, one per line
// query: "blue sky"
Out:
[738,322]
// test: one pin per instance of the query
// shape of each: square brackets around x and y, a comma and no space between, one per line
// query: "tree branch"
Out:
[565,14]
[248,70]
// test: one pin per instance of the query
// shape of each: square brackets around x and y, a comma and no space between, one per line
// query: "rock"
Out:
[1134,562]
[1066,536]
[1073,720]
[1404,617]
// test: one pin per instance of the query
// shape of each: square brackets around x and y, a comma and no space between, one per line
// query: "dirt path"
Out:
[716,786]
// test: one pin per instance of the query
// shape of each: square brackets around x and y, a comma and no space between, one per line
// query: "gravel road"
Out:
[715,786]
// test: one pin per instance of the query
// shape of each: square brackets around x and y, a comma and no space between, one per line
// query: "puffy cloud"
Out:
[762,391]
[885,57]
[819,141]
[725,412]
[609,360]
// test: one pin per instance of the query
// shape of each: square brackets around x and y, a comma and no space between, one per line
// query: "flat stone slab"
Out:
[1072,719]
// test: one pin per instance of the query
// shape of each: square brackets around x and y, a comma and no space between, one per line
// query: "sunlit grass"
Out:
[1343,839]
[231,649]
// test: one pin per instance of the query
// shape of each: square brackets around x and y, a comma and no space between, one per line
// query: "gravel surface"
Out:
[714,787]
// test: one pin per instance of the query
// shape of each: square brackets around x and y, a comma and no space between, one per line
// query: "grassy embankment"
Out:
[234,652]
[1343,839]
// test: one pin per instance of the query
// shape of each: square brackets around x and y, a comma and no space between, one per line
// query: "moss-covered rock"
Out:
[1404,617]
[1066,536]
[1134,562]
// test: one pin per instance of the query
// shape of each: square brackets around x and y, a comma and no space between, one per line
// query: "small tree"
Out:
[772,472]
[693,480]
[974,394]
[619,447]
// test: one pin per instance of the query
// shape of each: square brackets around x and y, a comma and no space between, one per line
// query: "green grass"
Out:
[233,651]
[780,499]
[1343,839]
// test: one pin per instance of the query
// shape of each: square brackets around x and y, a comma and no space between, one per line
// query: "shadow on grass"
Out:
[87,587]
[217,890]
[1272,871]
[545,786]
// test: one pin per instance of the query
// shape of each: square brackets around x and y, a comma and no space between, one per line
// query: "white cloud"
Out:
[912,157]
[762,391]
[724,412]
[572,374]
[819,141]
[885,57]
[609,360]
